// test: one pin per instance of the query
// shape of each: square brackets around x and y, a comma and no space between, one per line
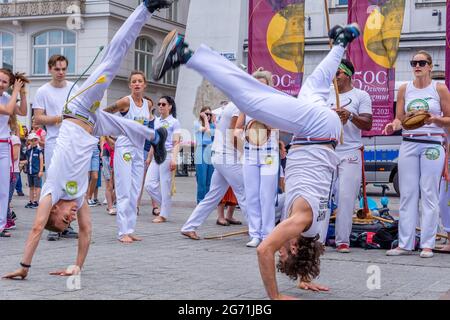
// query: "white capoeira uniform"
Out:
[158,181]
[261,172]
[51,100]
[129,168]
[350,161]
[420,167]
[5,162]
[310,168]
[227,172]
[67,176]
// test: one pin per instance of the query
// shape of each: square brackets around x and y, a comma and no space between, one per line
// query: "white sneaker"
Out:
[253,243]
[398,252]
[91,203]
[105,202]
[426,254]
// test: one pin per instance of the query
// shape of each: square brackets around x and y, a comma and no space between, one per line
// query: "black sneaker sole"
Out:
[168,45]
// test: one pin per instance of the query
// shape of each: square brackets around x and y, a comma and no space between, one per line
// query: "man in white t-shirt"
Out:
[356,115]
[48,108]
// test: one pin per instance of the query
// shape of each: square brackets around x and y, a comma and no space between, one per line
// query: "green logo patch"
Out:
[418,104]
[432,153]
[72,188]
[127,157]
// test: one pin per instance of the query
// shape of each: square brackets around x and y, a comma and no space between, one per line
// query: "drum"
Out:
[257,133]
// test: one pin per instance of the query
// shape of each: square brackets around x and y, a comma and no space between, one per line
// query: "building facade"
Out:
[32,30]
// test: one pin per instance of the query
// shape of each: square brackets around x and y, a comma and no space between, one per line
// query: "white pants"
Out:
[129,169]
[158,183]
[444,204]
[261,183]
[348,184]
[420,168]
[48,154]
[5,169]
[224,176]
[306,117]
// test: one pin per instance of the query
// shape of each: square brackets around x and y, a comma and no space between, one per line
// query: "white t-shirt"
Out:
[223,143]
[172,126]
[357,102]
[138,114]
[67,177]
[15,140]
[4,128]
[52,100]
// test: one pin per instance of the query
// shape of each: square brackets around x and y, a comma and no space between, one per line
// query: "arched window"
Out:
[143,56]
[6,50]
[48,43]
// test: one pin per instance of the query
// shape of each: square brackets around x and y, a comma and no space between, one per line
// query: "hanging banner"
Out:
[447,49]
[277,41]
[374,54]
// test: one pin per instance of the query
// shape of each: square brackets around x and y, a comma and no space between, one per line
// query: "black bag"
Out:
[386,236]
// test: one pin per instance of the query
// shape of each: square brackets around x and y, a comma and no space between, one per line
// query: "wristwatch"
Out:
[350,118]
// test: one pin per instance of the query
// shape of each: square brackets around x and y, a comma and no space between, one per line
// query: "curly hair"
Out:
[305,264]
[14,76]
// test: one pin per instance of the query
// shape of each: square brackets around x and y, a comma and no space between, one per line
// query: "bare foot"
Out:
[134,238]
[445,248]
[159,219]
[126,239]
[311,286]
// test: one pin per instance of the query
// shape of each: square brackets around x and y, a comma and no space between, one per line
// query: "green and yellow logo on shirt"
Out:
[127,157]
[72,188]
[432,153]
[418,104]
[269,160]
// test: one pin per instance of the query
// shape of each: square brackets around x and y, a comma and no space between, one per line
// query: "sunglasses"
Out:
[162,104]
[421,63]
[208,114]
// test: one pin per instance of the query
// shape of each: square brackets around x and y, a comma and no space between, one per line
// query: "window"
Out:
[341,2]
[143,56]
[172,11]
[52,42]
[6,50]
[171,77]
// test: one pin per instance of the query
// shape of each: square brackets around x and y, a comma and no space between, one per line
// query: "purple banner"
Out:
[375,53]
[277,41]
[447,49]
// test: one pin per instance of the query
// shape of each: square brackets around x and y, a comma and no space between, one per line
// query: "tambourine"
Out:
[257,133]
[415,119]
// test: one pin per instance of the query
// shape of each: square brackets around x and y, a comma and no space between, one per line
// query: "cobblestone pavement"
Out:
[166,265]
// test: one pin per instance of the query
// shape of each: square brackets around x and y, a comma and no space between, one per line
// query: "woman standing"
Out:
[204,136]
[158,181]
[129,160]
[422,156]
[261,167]
[8,108]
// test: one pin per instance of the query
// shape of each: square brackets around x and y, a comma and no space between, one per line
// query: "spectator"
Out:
[107,154]
[93,177]
[35,165]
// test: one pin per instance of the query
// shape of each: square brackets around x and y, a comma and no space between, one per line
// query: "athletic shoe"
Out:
[153,5]
[173,53]
[398,252]
[426,254]
[253,243]
[159,148]
[29,205]
[10,225]
[105,202]
[13,216]
[97,203]
[69,233]
[344,35]
[343,248]
[91,203]
[20,194]
[35,204]
[53,236]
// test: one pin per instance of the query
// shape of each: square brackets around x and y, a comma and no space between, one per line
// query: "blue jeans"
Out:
[19,184]
[12,186]
[203,174]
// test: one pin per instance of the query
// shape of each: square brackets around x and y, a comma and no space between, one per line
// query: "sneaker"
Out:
[29,205]
[173,53]
[69,233]
[398,252]
[97,203]
[91,203]
[13,216]
[10,225]
[153,5]
[35,204]
[159,148]
[343,248]
[253,243]
[53,236]
[20,194]
[112,211]
[344,35]
[426,254]
[105,202]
